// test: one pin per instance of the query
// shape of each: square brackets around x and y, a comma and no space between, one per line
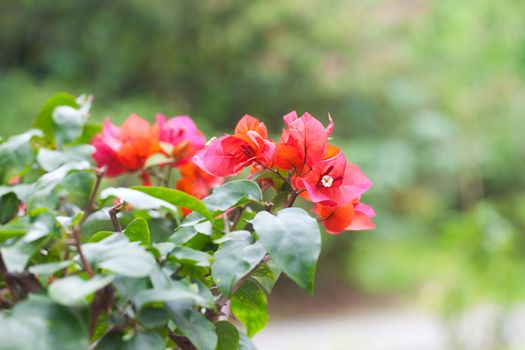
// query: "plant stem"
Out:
[78,244]
[113,215]
[90,206]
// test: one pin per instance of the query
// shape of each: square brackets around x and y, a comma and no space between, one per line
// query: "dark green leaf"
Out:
[194,326]
[233,193]
[138,231]
[228,336]
[146,341]
[267,275]
[38,323]
[237,256]
[293,241]
[250,306]
[8,207]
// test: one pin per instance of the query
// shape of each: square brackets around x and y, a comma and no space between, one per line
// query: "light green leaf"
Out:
[293,241]
[16,153]
[237,256]
[177,198]
[39,323]
[192,256]
[250,306]
[17,255]
[138,199]
[116,254]
[228,336]
[41,196]
[44,121]
[72,290]
[138,231]
[50,160]
[157,159]
[194,326]
[99,236]
[50,268]
[177,293]
[233,193]
[245,343]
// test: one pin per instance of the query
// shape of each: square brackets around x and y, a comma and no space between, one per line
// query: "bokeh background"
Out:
[428,97]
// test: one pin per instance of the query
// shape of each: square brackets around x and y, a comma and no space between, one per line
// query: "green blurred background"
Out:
[428,98]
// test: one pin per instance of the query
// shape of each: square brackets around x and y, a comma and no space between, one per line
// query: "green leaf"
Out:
[250,306]
[41,197]
[157,159]
[50,268]
[138,199]
[153,317]
[50,160]
[177,198]
[44,120]
[138,231]
[245,343]
[116,254]
[16,153]
[69,122]
[237,256]
[17,255]
[99,236]
[8,207]
[228,336]
[192,256]
[233,193]
[38,323]
[72,290]
[293,241]
[194,326]
[145,341]
[17,227]
[177,293]
[267,275]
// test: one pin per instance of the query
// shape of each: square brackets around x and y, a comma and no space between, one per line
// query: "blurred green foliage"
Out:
[428,97]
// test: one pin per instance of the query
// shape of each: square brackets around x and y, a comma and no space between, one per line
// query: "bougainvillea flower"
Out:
[229,154]
[334,181]
[106,145]
[126,148]
[354,216]
[304,143]
[182,133]
[196,181]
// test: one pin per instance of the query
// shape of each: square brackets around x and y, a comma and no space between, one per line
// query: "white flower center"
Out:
[210,140]
[327,181]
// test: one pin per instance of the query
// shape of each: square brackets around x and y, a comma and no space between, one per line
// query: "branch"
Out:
[90,206]
[113,215]
[182,342]
[78,244]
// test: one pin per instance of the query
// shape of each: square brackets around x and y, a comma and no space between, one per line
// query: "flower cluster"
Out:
[128,147]
[303,159]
